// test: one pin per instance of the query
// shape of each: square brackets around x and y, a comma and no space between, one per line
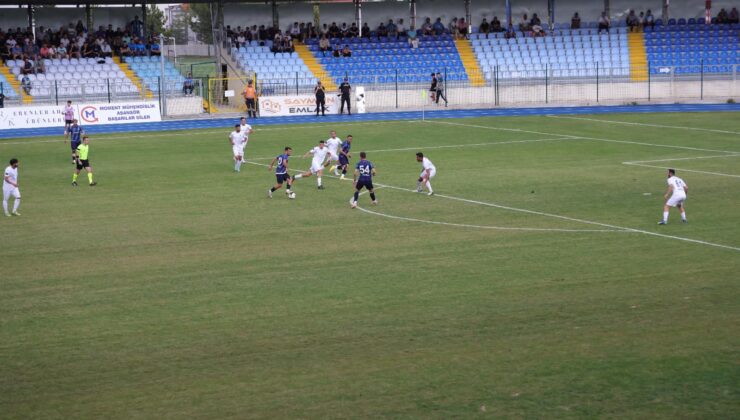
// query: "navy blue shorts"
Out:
[343,160]
[364,183]
[282,178]
[74,146]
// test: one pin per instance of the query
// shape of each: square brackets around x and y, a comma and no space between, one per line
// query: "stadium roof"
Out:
[137,3]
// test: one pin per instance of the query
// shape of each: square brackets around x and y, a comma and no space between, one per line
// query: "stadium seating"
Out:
[7,88]
[76,77]
[149,70]
[376,61]
[565,53]
[269,66]
[684,48]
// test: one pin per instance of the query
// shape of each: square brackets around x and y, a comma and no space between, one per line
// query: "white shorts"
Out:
[238,150]
[676,199]
[431,173]
[316,167]
[333,155]
[11,192]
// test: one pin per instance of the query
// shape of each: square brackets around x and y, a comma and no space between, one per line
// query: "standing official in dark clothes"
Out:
[320,92]
[344,91]
[441,89]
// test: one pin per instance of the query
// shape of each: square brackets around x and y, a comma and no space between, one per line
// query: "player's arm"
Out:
[7,179]
[668,192]
[309,153]
[685,188]
[273,163]
[374,173]
[355,175]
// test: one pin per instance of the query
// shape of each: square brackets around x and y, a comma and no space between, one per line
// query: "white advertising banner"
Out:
[280,106]
[86,114]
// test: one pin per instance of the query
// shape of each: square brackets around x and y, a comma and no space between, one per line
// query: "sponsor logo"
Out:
[89,114]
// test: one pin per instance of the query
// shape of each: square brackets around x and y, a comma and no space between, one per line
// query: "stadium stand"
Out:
[266,65]
[689,44]
[7,88]
[148,70]
[375,60]
[568,53]
[76,77]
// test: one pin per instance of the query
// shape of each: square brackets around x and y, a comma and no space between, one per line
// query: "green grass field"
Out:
[536,283]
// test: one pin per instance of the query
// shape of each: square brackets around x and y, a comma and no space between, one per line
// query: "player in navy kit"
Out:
[281,172]
[344,155]
[75,131]
[364,173]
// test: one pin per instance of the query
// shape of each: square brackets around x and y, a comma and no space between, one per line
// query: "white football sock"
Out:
[683,215]
[237,165]
[16,204]
[5,206]
[298,176]
[318,179]
[665,216]
[429,186]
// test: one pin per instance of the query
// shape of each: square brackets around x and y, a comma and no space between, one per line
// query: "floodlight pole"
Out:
[467,15]
[508,14]
[607,8]
[665,12]
[412,13]
[32,20]
[358,16]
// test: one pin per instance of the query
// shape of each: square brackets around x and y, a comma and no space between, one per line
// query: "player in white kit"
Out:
[675,197]
[10,188]
[69,116]
[428,170]
[246,130]
[333,144]
[236,138]
[320,154]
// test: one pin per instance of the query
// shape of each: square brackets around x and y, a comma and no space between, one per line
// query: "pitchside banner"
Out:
[278,106]
[86,114]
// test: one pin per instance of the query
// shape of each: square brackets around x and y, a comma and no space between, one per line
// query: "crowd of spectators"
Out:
[74,41]
[728,18]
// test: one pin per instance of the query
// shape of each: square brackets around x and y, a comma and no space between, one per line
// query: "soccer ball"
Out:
[291,195]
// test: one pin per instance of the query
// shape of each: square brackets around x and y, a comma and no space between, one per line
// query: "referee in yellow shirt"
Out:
[83,161]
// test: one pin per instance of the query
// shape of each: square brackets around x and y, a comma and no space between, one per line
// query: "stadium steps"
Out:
[126,69]
[470,61]
[638,56]
[316,68]
[15,84]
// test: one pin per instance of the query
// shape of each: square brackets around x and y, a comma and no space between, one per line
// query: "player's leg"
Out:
[76,173]
[6,196]
[90,181]
[356,196]
[277,186]
[666,209]
[306,174]
[237,159]
[371,189]
[17,194]
[682,209]
[319,174]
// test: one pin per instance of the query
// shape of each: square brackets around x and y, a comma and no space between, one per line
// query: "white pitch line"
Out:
[588,138]
[675,159]
[405,149]
[557,216]
[682,169]
[676,127]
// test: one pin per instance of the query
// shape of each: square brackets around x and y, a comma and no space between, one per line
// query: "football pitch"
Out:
[534,283]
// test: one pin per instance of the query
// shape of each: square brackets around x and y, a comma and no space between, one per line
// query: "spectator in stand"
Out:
[74,50]
[392,30]
[426,28]
[26,84]
[254,33]
[484,27]
[80,28]
[401,28]
[337,51]
[524,25]
[537,31]
[125,50]
[453,29]
[288,44]
[496,25]
[295,31]
[649,19]
[27,66]
[188,85]
[345,31]
[722,17]
[641,20]
[365,30]
[277,43]
[334,31]
[632,22]
[135,26]
[438,28]
[604,23]
[325,30]
[87,50]
[510,33]
[575,21]
[62,52]
[154,49]
[734,17]
[413,38]
[346,52]
[535,20]
[44,51]
[106,50]
[382,31]
[462,28]
[240,40]
[324,45]
[354,31]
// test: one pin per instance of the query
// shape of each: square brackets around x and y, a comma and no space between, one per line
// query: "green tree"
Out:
[155,20]
[200,21]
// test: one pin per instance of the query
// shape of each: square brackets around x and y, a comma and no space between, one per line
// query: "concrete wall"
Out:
[56,16]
